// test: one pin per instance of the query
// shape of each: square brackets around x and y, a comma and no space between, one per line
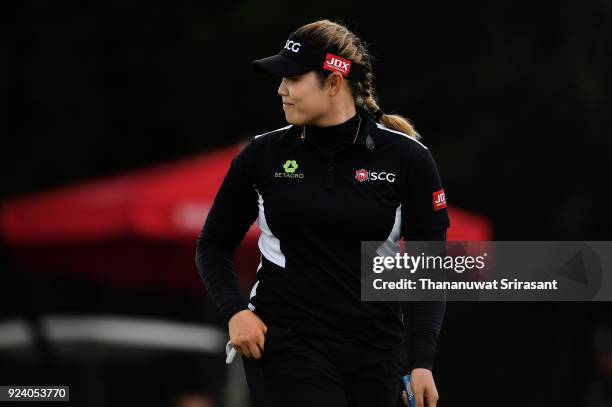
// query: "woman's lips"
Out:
[287,104]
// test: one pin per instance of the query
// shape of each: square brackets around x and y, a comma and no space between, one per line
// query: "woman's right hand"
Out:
[247,333]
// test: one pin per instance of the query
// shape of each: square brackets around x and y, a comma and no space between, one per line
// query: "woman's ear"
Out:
[334,83]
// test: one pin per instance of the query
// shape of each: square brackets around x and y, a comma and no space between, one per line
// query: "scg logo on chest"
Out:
[365,175]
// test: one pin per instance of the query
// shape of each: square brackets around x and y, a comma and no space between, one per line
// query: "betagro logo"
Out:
[290,166]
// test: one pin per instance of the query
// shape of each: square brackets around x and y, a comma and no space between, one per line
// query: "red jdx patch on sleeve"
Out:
[439,200]
[336,63]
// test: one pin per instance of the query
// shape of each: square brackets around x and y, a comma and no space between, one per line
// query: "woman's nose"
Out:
[282,88]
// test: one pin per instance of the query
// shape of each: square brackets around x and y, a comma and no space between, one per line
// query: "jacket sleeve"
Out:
[423,199]
[423,219]
[233,211]
[424,319]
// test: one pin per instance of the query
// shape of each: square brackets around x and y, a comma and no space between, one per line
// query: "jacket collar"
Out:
[364,138]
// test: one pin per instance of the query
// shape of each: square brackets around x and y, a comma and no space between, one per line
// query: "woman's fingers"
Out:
[418,398]
[253,348]
[244,351]
[422,399]
[432,398]
[261,341]
[247,332]
[255,351]
[424,388]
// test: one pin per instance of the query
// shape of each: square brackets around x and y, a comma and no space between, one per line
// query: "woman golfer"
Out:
[340,173]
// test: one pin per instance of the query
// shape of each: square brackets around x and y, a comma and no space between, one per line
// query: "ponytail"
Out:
[390,121]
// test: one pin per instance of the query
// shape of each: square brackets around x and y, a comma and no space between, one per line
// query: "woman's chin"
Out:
[291,119]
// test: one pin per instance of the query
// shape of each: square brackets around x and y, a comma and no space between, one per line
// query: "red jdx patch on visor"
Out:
[336,63]
[439,200]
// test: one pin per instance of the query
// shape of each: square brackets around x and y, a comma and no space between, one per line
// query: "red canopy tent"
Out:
[140,228]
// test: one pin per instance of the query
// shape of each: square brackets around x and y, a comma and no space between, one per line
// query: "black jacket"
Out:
[314,205]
